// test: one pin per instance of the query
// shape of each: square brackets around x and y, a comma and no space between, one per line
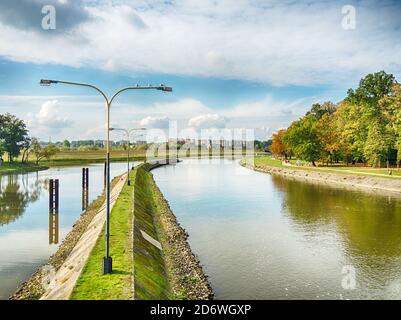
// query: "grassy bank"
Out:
[18,167]
[150,272]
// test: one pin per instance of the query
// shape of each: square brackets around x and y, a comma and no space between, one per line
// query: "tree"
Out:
[278,147]
[303,139]
[66,144]
[26,148]
[372,88]
[329,137]
[50,151]
[13,135]
[319,110]
[37,149]
[377,144]
[375,135]
[365,126]
[43,152]
[2,149]
[347,127]
[391,109]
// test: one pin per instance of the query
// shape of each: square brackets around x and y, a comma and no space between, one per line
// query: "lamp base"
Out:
[129,182]
[107,265]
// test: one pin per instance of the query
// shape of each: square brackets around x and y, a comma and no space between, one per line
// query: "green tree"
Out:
[13,135]
[50,151]
[40,152]
[26,148]
[372,88]
[319,110]
[66,144]
[375,135]
[303,139]
[391,106]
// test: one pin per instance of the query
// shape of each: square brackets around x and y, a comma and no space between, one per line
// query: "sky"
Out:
[232,63]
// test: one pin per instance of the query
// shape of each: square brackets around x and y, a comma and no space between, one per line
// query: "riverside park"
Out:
[233,164]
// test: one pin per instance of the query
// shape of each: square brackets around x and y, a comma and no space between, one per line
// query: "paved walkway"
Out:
[359,172]
[60,288]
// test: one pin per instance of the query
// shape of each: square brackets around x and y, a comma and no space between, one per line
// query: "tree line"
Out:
[15,141]
[365,127]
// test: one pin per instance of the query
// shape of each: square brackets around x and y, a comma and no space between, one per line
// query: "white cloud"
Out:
[155,122]
[282,43]
[204,121]
[48,118]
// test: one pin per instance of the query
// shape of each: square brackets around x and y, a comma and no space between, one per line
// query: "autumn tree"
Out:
[329,136]
[278,147]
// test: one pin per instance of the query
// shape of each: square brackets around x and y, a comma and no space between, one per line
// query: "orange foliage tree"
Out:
[278,147]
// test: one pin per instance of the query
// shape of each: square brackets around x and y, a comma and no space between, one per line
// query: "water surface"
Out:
[267,237]
[24,217]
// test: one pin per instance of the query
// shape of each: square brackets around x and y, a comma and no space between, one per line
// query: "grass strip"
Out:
[92,284]
[18,167]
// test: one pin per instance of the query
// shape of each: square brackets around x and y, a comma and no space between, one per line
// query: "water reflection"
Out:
[16,192]
[25,219]
[369,225]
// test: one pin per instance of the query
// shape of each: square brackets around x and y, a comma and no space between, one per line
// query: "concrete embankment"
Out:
[347,181]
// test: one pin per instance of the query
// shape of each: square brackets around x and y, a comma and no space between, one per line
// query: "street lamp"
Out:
[107,260]
[128,133]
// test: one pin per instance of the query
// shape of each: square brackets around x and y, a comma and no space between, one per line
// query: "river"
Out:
[24,217]
[268,237]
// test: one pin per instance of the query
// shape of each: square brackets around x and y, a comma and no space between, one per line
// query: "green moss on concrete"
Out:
[149,267]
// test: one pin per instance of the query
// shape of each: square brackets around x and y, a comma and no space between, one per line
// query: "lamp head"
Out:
[46,82]
[164,88]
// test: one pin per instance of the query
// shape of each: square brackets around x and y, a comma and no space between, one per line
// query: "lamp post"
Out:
[107,260]
[128,133]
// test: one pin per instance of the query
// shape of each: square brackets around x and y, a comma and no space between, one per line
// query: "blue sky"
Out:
[232,64]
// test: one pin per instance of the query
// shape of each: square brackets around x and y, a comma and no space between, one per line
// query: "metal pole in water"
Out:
[83,189]
[51,194]
[53,211]
[87,188]
[56,205]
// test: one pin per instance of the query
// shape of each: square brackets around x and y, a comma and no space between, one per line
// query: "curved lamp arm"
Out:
[49,82]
